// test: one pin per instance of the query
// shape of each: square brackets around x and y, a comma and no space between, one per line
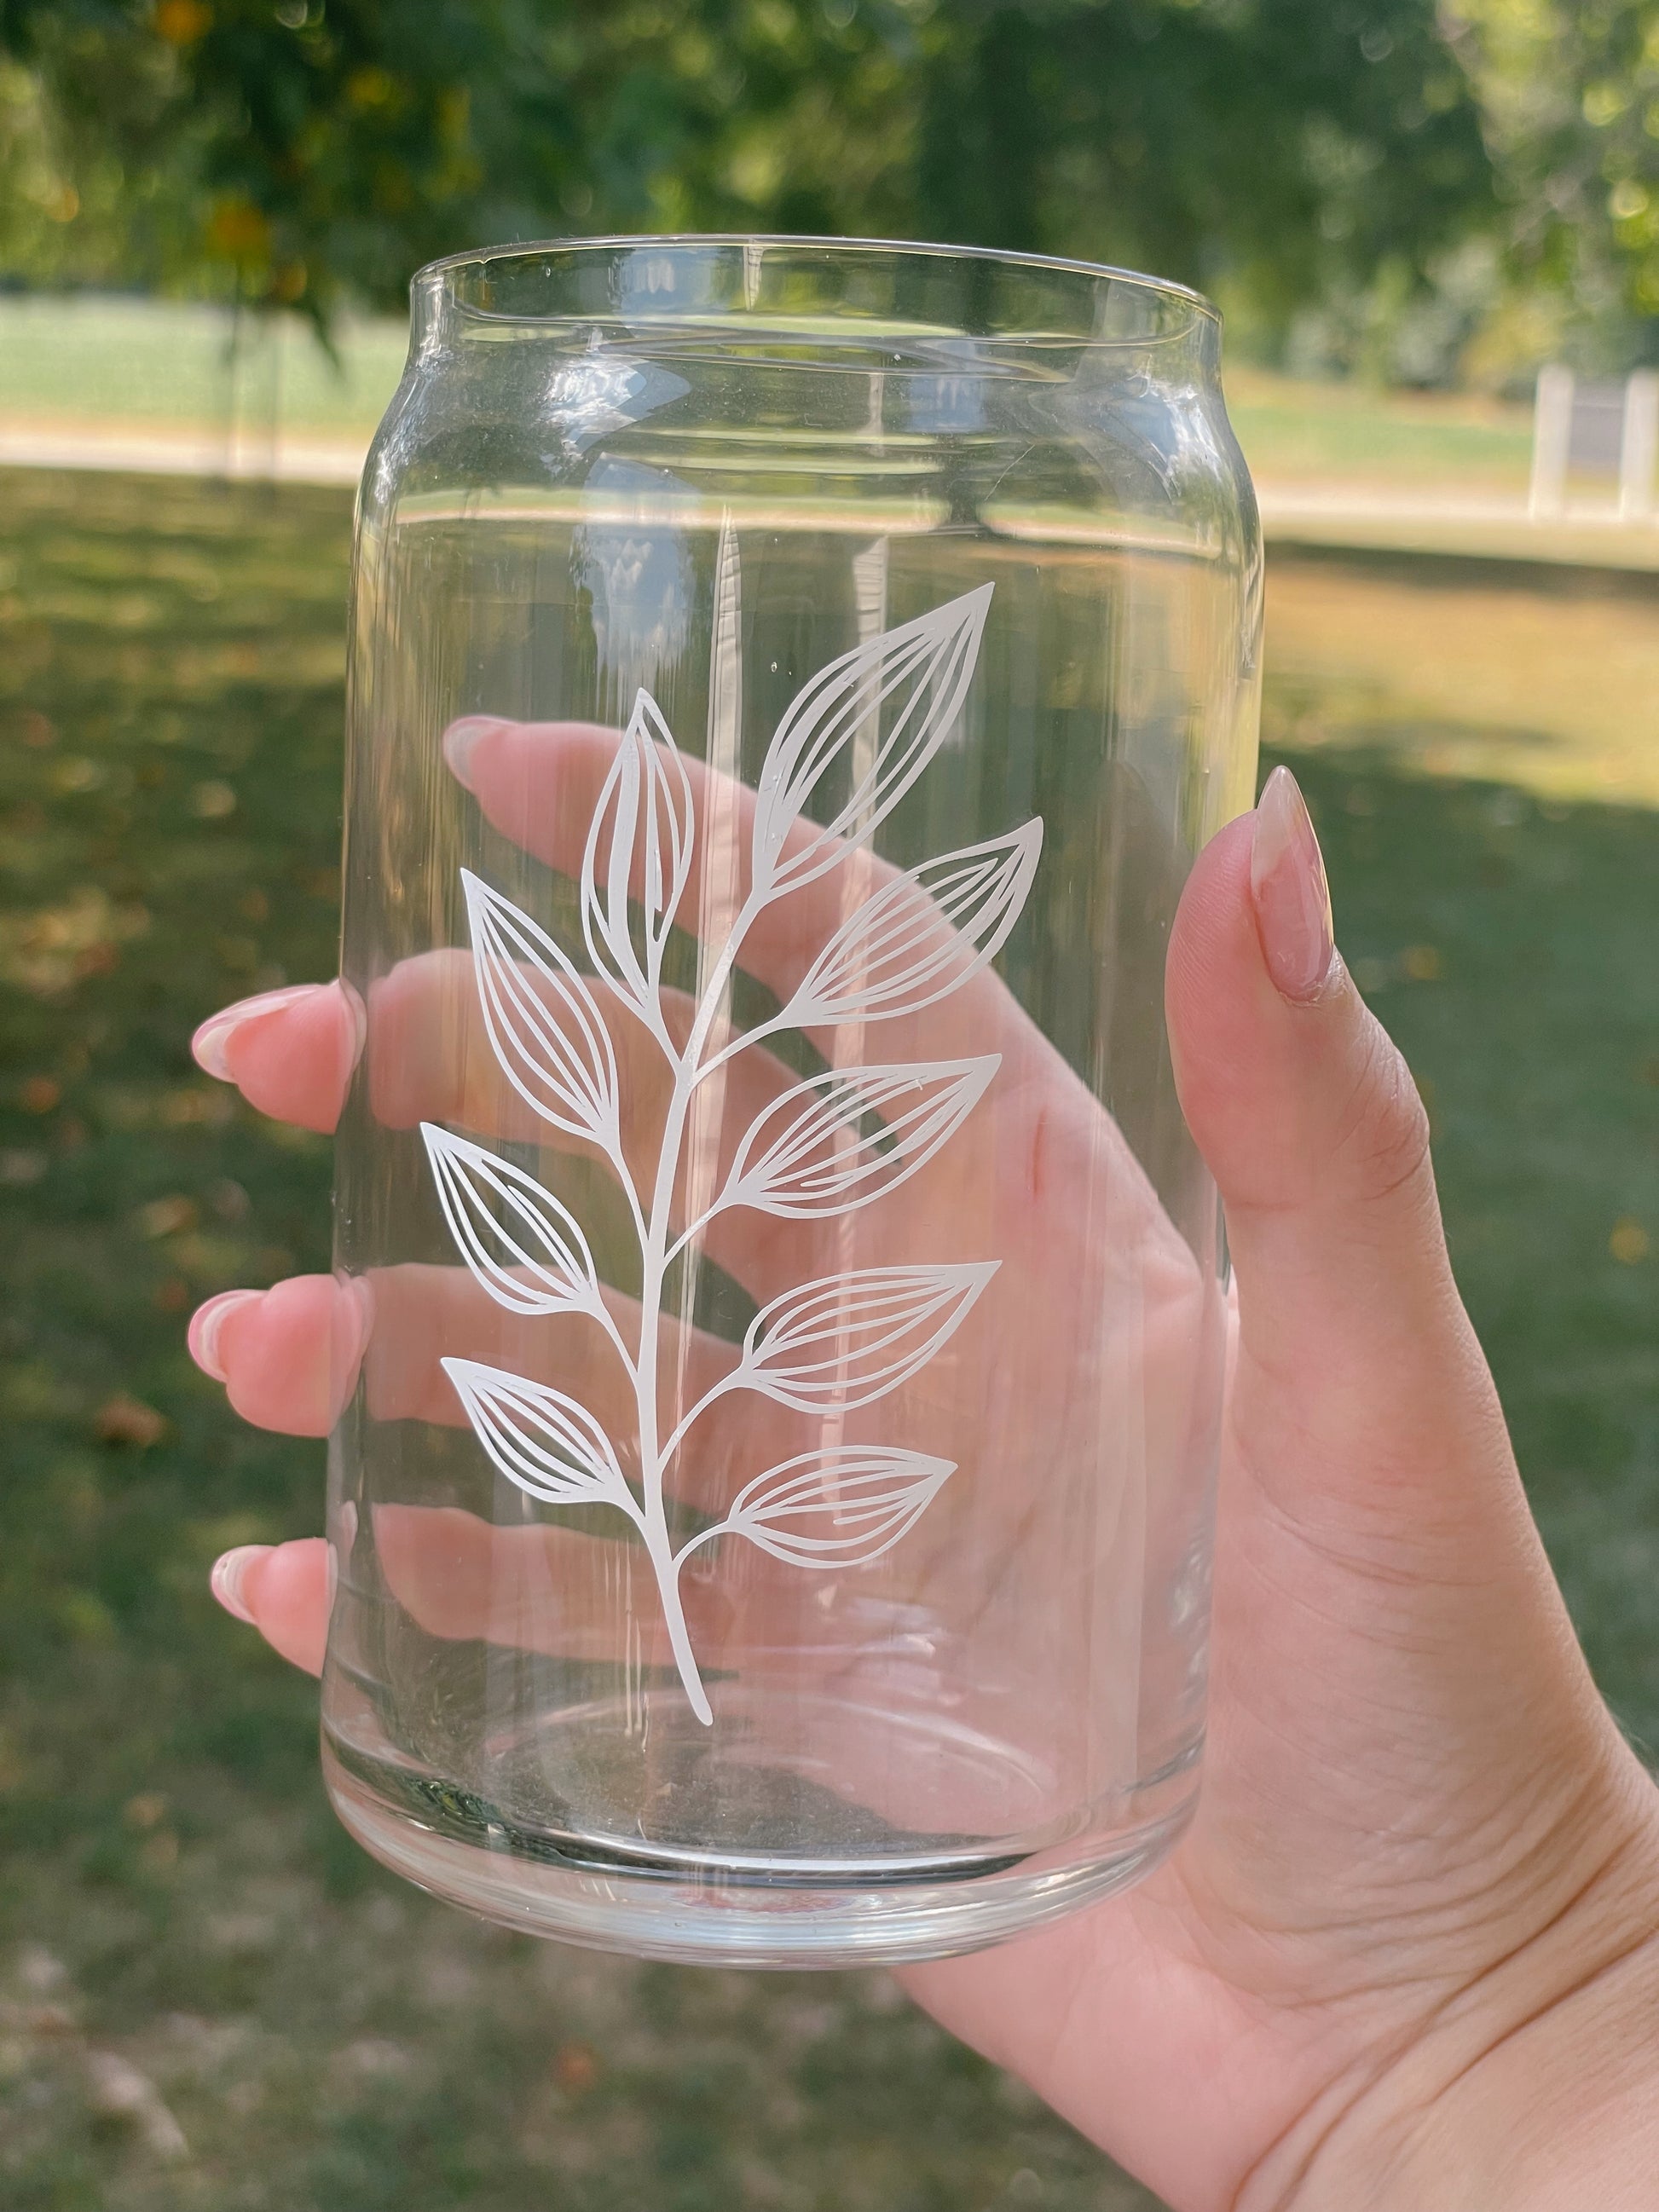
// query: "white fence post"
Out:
[1639,448]
[1552,440]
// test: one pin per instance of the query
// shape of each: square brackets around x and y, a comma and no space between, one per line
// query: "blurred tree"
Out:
[1571,88]
[323,148]
[1273,144]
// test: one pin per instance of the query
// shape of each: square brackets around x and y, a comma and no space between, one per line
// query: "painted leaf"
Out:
[838,1508]
[639,849]
[545,1026]
[807,1155]
[854,742]
[549,1445]
[848,1340]
[905,688]
[921,935]
[524,1247]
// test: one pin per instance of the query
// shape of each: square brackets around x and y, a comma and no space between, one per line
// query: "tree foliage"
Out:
[313,149]
[1571,89]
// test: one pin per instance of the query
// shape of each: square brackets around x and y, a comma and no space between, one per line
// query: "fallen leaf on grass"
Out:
[118,2091]
[127,1420]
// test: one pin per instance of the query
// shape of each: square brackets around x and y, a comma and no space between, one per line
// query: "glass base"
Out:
[664,1898]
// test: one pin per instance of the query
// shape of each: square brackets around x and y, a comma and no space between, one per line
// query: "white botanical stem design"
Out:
[827,1347]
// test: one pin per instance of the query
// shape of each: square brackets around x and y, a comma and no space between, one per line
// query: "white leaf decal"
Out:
[524,1247]
[640,841]
[839,1507]
[848,1340]
[549,1444]
[868,725]
[913,679]
[546,1031]
[806,1155]
[920,936]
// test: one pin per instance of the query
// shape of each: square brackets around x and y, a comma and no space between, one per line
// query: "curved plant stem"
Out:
[659,1247]
[679,1640]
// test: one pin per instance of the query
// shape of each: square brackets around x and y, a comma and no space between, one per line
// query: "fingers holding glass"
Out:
[769,1184]
[853,926]
[290,1358]
[578,1596]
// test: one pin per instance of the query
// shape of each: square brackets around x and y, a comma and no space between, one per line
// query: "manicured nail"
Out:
[359,1013]
[1291,897]
[206,1324]
[461,741]
[230,1573]
[353,1325]
[211,1043]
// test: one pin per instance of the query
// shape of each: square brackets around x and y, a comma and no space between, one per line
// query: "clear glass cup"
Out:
[782,1311]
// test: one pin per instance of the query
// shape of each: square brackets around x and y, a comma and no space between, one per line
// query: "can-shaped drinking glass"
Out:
[781,1311]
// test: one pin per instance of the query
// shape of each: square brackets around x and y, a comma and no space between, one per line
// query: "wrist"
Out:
[1565,2113]
[1535,2088]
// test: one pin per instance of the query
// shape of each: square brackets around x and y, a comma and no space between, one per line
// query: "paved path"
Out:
[1337,516]
[1481,527]
[140,449]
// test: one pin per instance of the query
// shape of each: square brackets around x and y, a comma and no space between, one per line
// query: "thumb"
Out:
[1359,1374]
[1392,1655]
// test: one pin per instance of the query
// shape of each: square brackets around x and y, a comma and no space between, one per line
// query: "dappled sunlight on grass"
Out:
[1296,431]
[1546,680]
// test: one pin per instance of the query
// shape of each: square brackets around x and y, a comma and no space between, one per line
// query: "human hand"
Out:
[1104,1305]
[1407,1955]
[1390,1963]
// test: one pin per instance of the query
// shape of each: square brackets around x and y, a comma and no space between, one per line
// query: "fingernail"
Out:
[230,1573]
[1287,885]
[461,741]
[359,1013]
[210,1045]
[353,1325]
[206,1325]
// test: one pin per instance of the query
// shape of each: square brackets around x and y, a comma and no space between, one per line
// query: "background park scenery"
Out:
[208,1996]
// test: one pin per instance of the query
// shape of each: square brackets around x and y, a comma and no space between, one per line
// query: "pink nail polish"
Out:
[359,1014]
[229,1575]
[353,1325]
[360,1297]
[210,1045]
[461,741]
[207,1324]
[1288,887]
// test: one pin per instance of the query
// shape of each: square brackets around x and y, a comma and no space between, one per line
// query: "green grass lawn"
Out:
[208,1998]
[148,363]
[1295,431]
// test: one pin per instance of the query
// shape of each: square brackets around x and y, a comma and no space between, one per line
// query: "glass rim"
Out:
[1164,287]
